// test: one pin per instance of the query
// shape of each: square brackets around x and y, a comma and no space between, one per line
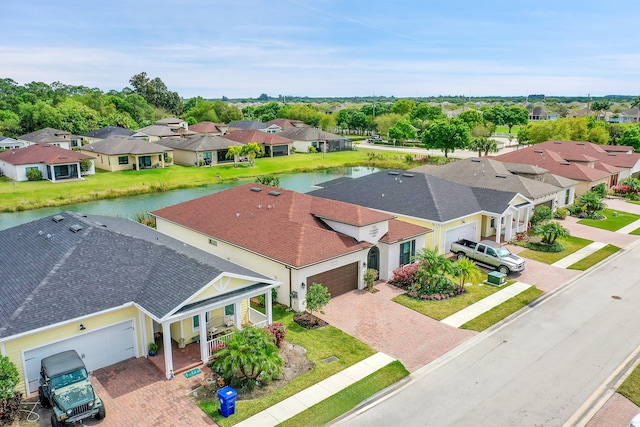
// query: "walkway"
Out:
[463,316]
[629,228]
[303,400]
[579,254]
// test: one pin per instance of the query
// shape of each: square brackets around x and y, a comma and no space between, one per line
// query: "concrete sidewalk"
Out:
[463,316]
[579,254]
[308,397]
[629,228]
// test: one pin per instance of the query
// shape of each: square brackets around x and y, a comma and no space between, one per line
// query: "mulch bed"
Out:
[308,320]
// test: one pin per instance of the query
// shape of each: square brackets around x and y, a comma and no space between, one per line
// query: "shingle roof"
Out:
[208,127]
[287,227]
[163,131]
[416,194]
[245,136]
[286,123]
[108,131]
[52,274]
[309,134]
[46,135]
[199,142]
[42,153]
[118,145]
[248,124]
[489,173]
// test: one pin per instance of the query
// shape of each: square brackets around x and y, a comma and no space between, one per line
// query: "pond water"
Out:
[130,205]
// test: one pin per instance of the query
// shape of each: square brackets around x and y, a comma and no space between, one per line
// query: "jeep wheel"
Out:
[503,269]
[460,256]
[102,412]
[44,401]
[55,422]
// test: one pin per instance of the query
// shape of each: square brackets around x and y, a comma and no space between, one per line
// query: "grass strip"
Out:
[630,388]
[594,258]
[614,220]
[571,245]
[503,310]
[347,399]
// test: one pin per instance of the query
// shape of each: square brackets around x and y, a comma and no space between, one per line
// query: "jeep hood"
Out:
[74,395]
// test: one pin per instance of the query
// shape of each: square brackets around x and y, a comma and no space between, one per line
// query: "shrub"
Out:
[404,276]
[560,213]
[85,165]
[34,175]
[541,214]
[10,409]
[600,190]
[543,247]
[279,333]
[317,297]
[274,298]
[10,399]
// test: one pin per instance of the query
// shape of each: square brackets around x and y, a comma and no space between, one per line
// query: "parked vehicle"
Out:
[635,422]
[489,253]
[375,138]
[65,386]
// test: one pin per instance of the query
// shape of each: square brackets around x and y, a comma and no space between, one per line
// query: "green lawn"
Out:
[347,399]
[18,196]
[571,245]
[614,220]
[630,388]
[594,258]
[439,310]
[636,232]
[505,129]
[505,309]
[320,344]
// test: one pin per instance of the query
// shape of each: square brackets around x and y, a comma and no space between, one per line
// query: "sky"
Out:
[328,48]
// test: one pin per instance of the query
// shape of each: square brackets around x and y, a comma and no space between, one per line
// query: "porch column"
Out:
[498,228]
[236,315]
[204,351]
[508,229]
[268,306]
[168,352]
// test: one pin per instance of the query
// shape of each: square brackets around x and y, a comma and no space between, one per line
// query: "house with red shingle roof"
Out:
[589,164]
[210,128]
[287,123]
[293,237]
[274,145]
[53,162]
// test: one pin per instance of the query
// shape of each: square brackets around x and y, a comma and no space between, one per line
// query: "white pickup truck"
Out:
[488,253]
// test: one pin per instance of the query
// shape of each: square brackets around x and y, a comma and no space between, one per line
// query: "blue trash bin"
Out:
[227,397]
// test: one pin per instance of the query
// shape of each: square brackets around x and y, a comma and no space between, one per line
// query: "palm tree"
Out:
[466,269]
[485,145]
[234,151]
[252,150]
[592,202]
[550,231]
[249,354]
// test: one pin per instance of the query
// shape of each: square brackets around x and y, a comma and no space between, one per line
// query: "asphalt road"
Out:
[544,367]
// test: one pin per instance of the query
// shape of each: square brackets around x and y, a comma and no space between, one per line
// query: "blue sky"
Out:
[237,48]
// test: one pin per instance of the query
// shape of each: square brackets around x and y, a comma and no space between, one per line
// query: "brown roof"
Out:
[285,227]
[42,153]
[247,136]
[574,149]
[208,127]
[400,230]
[286,123]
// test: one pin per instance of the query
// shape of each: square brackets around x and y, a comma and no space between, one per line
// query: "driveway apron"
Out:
[391,328]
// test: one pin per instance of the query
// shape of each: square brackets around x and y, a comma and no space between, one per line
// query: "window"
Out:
[491,252]
[493,223]
[407,252]
[213,242]
[567,193]
[229,310]
[196,321]
[123,160]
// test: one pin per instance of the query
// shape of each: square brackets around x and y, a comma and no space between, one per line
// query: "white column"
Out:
[142,347]
[204,352]
[268,306]
[498,228]
[168,353]
[236,315]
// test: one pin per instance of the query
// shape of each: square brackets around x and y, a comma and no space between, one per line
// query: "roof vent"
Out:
[394,173]
[408,175]
[75,228]
[565,163]
[612,154]
[274,193]
[580,143]
[256,189]
[99,224]
[557,142]
[501,176]
[538,151]
[57,218]
[476,160]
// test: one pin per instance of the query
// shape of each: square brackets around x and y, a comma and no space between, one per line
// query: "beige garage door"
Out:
[339,280]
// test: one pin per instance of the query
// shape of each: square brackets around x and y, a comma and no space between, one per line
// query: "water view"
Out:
[130,205]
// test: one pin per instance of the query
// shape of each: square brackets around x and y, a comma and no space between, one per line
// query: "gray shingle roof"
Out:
[416,194]
[200,142]
[52,274]
[108,131]
[117,145]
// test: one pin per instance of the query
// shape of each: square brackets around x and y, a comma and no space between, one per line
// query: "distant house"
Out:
[104,133]
[325,142]
[274,145]
[165,128]
[57,137]
[254,125]
[55,163]
[632,115]
[210,128]
[7,143]
[539,113]
[287,123]
[118,153]
[537,186]
[204,149]
[589,164]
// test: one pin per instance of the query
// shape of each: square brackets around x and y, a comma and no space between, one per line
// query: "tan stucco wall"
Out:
[15,348]
[584,186]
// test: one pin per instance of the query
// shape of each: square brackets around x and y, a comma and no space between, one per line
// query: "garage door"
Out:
[338,280]
[465,231]
[98,349]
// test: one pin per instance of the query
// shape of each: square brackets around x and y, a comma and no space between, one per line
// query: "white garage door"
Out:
[98,349]
[466,231]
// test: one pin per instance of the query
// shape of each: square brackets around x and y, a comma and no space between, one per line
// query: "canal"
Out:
[128,206]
